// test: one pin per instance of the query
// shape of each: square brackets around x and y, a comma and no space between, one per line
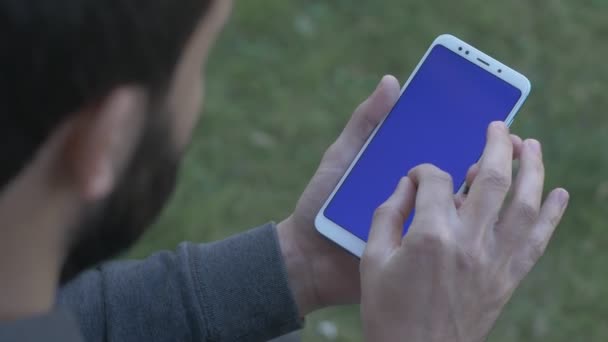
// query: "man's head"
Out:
[99,99]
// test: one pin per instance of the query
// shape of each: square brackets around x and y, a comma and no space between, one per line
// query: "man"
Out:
[100,99]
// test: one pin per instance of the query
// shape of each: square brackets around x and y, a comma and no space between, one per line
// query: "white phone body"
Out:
[354,244]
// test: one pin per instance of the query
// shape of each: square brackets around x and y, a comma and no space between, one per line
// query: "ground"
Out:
[286,75]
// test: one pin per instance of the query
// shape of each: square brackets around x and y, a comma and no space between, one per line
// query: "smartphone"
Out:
[441,118]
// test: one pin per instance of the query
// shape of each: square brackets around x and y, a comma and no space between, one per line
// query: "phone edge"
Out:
[345,238]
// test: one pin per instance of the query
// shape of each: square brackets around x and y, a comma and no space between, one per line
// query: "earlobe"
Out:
[101,139]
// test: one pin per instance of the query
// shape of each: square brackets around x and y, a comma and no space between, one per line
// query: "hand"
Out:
[322,274]
[450,277]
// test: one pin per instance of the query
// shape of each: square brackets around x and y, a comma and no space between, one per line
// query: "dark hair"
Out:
[58,56]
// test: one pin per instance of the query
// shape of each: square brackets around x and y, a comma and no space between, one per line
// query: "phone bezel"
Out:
[351,242]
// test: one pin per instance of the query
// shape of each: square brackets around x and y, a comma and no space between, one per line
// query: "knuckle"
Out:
[534,168]
[496,179]
[386,211]
[466,259]
[471,254]
[373,256]
[368,259]
[536,251]
[427,222]
[554,220]
[432,240]
[366,127]
[539,166]
[550,219]
[426,168]
[422,169]
[361,107]
[505,141]
[527,212]
[362,121]
[503,291]
[331,151]
[338,153]
[441,176]
[432,173]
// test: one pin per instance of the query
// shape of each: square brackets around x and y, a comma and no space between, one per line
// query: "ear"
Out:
[101,139]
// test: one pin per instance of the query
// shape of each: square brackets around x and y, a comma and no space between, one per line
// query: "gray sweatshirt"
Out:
[233,290]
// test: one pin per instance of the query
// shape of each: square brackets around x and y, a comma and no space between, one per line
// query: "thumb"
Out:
[387,227]
[369,114]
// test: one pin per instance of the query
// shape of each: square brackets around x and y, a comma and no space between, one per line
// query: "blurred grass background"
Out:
[286,76]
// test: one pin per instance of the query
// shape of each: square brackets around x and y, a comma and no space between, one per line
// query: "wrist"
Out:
[299,269]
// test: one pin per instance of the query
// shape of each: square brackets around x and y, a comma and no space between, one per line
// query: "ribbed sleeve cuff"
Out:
[245,295]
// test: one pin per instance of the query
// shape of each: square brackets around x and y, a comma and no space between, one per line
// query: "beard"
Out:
[112,226]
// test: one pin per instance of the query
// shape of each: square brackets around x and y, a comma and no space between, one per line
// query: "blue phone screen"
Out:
[441,118]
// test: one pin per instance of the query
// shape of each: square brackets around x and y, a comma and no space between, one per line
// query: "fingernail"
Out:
[563,197]
[499,125]
[534,146]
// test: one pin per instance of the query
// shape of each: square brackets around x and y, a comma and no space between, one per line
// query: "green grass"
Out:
[286,75]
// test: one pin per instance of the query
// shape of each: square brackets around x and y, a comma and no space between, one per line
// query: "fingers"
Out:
[524,209]
[435,192]
[387,226]
[471,175]
[534,245]
[550,216]
[493,179]
[517,145]
[369,114]
[461,196]
[474,170]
